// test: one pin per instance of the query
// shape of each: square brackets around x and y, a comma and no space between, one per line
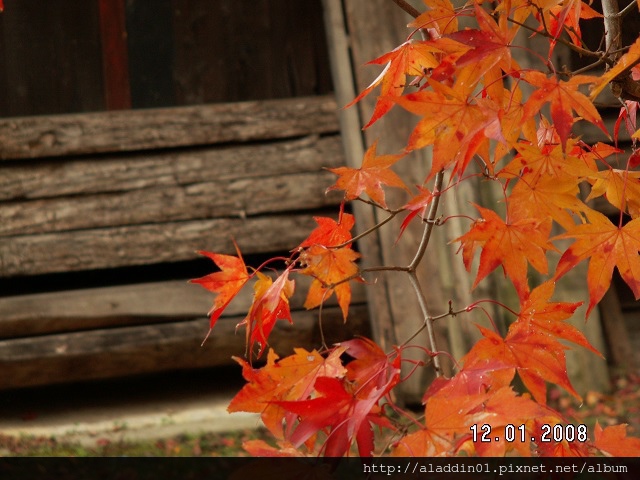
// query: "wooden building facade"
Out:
[134,133]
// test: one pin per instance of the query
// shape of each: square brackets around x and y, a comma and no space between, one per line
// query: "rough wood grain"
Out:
[131,130]
[118,352]
[134,171]
[128,305]
[389,22]
[147,244]
[238,198]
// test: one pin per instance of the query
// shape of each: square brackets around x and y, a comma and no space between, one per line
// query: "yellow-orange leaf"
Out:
[620,187]
[332,269]
[624,65]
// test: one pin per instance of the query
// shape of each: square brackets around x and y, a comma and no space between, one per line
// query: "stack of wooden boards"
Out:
[106,192]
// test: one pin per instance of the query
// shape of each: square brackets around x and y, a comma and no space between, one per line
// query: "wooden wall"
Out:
[69,56]
[102,212]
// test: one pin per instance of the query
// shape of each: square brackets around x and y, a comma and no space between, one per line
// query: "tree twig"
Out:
[430,221]
[407,8]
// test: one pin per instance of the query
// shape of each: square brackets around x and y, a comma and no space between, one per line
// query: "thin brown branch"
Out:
[427,320]
[628,9]
[407,8]
[545,33]
[430,221]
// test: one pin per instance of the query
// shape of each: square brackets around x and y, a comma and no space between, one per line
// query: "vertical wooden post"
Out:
[375,27]
[115,58]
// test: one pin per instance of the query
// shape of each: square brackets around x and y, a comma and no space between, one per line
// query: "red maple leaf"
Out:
[416,205]
[564,97]
[226,284]
[270,303]
[347,411]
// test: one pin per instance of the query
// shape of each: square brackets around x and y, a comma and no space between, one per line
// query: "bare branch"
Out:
[407,8]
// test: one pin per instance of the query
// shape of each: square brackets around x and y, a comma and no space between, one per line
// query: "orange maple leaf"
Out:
[226,284]
[330,233]
[412,58]
[512,245]
[290,378]
[441,18]
[331,269]
[546,196]
[564,97]
[550,160]
[538,313]
[536,355]
[506,407]
[450,122]
[369,178]
[613,441]
[607,246]
[447,415]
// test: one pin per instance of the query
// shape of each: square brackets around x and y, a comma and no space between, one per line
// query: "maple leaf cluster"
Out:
[479,115]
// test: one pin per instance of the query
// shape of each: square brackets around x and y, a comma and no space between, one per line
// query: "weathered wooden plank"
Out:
[389,22]
[131,130]
[125,172]
[128,305]
[239,198]
[117,352]
[148,244]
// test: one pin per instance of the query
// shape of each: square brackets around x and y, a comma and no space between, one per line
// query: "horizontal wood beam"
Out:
[240,198]
[120,352]
[132,130]
[148,244]
[128,305]
[167,168]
